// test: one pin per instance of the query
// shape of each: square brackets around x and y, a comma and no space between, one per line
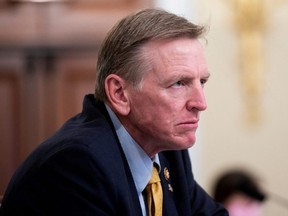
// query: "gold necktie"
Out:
[154,194]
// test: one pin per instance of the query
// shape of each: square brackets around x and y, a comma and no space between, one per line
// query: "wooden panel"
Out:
[75,79]
[103,3]
[20,24]
[70,22]
[9,127]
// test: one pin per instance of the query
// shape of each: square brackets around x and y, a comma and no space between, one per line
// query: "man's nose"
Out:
[197,99]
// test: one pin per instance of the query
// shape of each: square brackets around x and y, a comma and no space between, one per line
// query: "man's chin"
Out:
[190,144]
[187,145]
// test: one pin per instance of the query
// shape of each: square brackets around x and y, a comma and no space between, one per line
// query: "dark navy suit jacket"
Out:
[82,170]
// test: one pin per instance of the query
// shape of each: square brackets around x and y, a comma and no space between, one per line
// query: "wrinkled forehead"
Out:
[174,46]
[180,49]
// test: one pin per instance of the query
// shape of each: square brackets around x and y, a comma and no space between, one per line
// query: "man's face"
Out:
[165,111]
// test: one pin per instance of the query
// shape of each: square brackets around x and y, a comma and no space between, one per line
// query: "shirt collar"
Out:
[139,162]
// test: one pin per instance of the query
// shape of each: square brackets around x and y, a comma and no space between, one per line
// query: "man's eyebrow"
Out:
[207,76]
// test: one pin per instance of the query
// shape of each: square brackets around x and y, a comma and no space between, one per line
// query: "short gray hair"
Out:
[121,53]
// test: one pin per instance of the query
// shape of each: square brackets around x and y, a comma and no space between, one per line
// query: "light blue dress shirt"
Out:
[139,162]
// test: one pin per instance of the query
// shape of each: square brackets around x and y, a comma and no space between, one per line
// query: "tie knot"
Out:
[155,176]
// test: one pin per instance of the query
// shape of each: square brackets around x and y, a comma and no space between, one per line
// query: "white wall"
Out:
[228,140]
[225,139]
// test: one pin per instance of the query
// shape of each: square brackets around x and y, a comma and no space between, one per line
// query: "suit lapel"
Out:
[132,195]
[169,204]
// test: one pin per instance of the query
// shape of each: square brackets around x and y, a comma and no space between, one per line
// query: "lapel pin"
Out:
[170,188]
[166,174]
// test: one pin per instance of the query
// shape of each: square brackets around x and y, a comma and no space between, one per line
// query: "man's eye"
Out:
[178,84]
[203,81]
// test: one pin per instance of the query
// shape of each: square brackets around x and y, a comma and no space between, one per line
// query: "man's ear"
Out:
[115,88]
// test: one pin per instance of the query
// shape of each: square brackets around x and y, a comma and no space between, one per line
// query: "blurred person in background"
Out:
[240,193]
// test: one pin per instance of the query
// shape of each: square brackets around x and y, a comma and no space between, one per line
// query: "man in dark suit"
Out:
[151,72]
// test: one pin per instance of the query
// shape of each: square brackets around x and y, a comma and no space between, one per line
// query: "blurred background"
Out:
[48,52]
